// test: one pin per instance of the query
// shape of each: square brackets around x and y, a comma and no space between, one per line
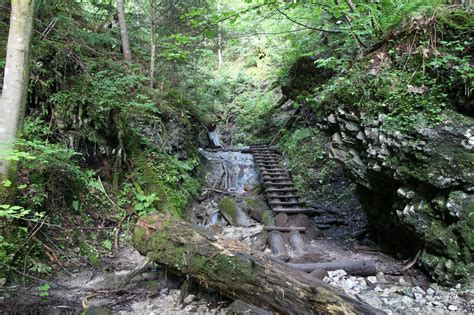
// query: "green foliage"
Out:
[107,245]
[145,203]
[44,290]
[313,172]
[179,185]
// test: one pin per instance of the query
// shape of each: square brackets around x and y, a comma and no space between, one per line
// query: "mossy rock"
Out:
[232,213]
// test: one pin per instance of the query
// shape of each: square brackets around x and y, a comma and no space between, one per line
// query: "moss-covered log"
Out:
[237,271]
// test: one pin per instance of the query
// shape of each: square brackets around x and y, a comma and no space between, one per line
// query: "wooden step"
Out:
[266,160]
[280,190]
[262,146]
[282,196]
[268,167]
[266,152]
[276,156]
[279,178]
[285,229]
[265,167]
[287,203]
[276,174]
[275,170]
[269,184]
[273,175]
[298,210]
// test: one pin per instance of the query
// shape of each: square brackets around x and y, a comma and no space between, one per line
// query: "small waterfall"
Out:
[230,171]
[215,139]
[228,174]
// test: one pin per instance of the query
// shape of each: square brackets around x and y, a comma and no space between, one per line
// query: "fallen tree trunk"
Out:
[237,271]
[352,267]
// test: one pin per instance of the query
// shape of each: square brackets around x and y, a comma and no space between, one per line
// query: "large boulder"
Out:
[416,188]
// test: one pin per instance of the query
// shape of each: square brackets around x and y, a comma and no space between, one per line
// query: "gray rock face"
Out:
[416,188]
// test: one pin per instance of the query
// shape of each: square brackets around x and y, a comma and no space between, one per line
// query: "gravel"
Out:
[399,296]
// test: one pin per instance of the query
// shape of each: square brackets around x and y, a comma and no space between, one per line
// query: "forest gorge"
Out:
[244,156]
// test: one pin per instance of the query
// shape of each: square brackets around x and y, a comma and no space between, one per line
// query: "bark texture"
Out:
[237,271]
[127,53]
[152,44]
[15,82]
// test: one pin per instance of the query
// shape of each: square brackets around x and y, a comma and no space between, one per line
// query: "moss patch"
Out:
[228,209]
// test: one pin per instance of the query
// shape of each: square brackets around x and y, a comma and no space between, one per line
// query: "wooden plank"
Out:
[274,170]
[280,190]
[352,267]
[298,210]
[270,184]
[286,203]
[283,196]
[285,229]
[286,178]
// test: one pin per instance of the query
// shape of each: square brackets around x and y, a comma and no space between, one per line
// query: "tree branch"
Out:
[307,26]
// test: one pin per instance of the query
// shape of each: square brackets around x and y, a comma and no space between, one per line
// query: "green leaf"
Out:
[107,244]
[44,290]
[7,183]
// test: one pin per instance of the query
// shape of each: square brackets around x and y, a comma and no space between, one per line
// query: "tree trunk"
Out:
[219,39]
[152,44]
[127,53]
[237,271]
[16,79]
[352,267]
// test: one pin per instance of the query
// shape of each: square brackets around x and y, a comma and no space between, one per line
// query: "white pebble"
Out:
[452,308]
[372,279]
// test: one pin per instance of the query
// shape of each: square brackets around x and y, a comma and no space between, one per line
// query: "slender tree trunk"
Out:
[15,81]
[219,39]
[351,5]
[127,53]
[152,43]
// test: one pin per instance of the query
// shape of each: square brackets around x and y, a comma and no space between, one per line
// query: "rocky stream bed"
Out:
[398,288]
